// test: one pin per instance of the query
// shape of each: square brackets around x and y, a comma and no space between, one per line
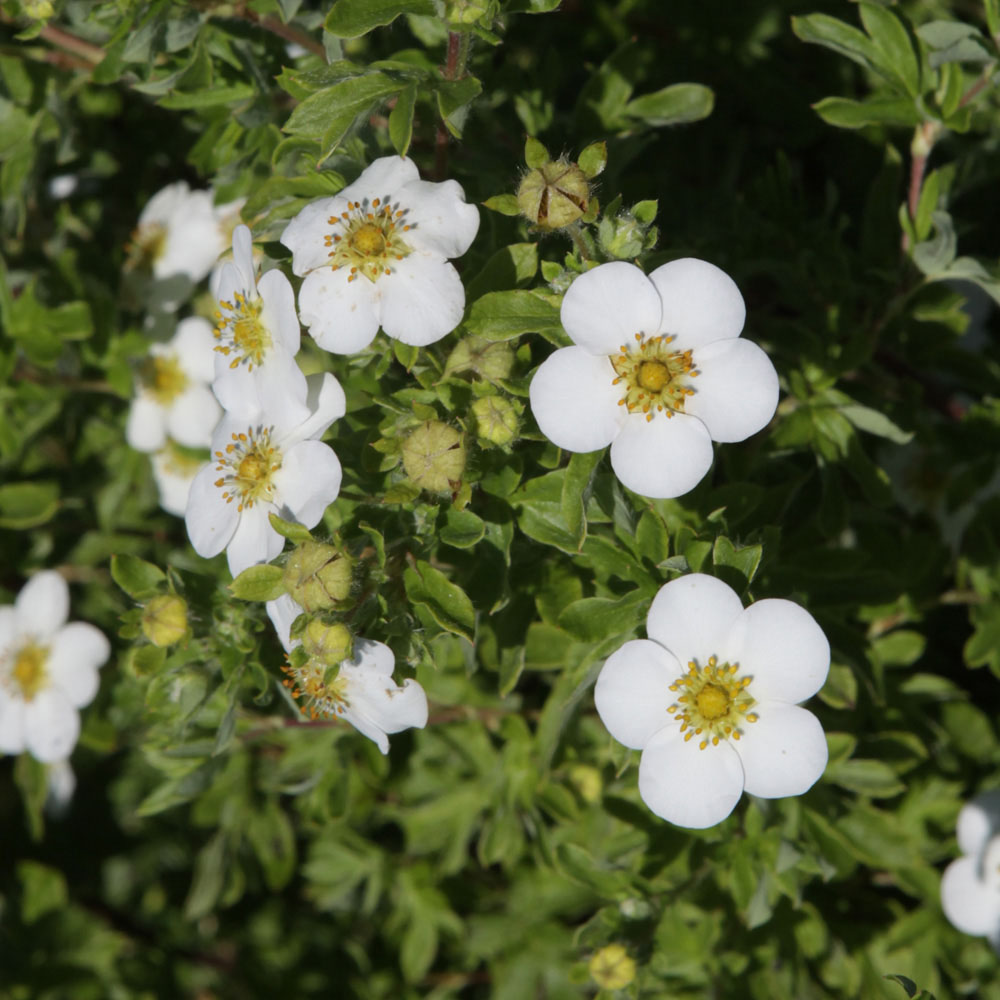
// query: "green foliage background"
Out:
[216,847]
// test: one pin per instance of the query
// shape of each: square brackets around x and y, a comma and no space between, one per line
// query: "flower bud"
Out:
[490,360]
[318,576]
[330,644]
[554,194]
[164,620]
[434,457]
[587,781]
[496,420]
[611,968]
[470,11]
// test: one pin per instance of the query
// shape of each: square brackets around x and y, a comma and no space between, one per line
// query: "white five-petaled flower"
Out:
[257,338]
[657,370]
[711,700]
[48,670]
[970,887]
[376,254]
[172,391]
[362,692]
[263,464]
[181,232]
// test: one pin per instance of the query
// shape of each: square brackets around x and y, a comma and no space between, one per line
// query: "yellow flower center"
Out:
[715,702]
[369,239]
[656,379]
[29,673]
[163,376]
[320,687]
[241,332]
[248,464]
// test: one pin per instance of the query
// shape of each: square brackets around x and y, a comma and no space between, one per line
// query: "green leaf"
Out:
[845,113]
[583,867]
[593,159]
[894,45]
[452,98]
[596,618]
[546,647]
[505,204]
[744,560]
[576,491]
[511,265]
[352,18]
[875,422]
[535,154]
[292,530]
[43,890]
[447,603]
[401,119]
[270,832]
[673,105]
[954,42]
[213,97]
[503,315]
[930,193]
[259,583]
[934,256]
[138,578]
[462,529]
[832,33]
[866,777]
[206,885]
[27,505]
[912,990]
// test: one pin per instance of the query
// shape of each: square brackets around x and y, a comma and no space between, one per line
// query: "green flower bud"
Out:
[496,420]
[490,360]
[434,457]
[553,195]
[318,576]
[611,968]
[164,620]
[330,644]
[470,11]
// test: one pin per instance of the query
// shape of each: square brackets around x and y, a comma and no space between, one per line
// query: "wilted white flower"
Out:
[360,690]
[48,670]
[658,371]
[172,391]
[711,700]
[263,464]
[257,338]
[376,254]
[174,471]
[970,887]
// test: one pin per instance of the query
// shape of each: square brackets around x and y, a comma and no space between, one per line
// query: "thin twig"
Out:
[286,31]
[453,70]
[61,39]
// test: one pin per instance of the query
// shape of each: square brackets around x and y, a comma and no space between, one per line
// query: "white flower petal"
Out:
[305,234]
[254,540]
[780,645]
[283,611]
[691,617]
[968,902]
[978,821]
[174,486]
[326,402]
[278,310]
[8,626]
[11,724]
[307,482]
[784,752]
[61,784]
[422,299]
[663,457]
[276,388]
[736,392]
[42,605]
[193,240]
[227,282]
[75,653]
[51,726]
[632,692]
[382,178]
[701,303]
[608,305]
[210,521]
[194,346]
[574,402]
[193,416]
[441,221]
[146,429]
[687,786]
[243,255]
[342,316]
[165,203]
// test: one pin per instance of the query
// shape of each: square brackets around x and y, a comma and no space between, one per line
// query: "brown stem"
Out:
[978,86]
[93,54]
[454,67]
[288,32]
[924,137]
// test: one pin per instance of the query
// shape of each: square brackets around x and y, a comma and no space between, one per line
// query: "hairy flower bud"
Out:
[330,644]
[164,620]
[318,576]
[434,457]
[612,968]
[554,194]
[496,420]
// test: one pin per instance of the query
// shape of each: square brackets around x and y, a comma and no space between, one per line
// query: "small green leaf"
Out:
[593,619]
[401,119]
[462,529]
[874,778]
[505,204]
[353,18]
[845,113]
[447,603]
[27,505]
[535,154]
[593,159]
[43,890]
[259,583]
[832,33]
[503,315]
[744,560]
[138,578]
[673,105]
[209,98]
[296,533]
[576,492]
[894,45]
[875,422]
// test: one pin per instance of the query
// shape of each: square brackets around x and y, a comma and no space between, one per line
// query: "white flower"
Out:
[711,700]
[658,372]
[257,338]
[970,887]
[362,693]
[181,232]
[174,472]
[265,464]
[377,254]
[172,392]
[48,670]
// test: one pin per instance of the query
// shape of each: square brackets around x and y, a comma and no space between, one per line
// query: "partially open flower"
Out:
[659,371]
[376,254]
[970,887]
[48,670]
[172,391]
[711,700]
[265,464]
